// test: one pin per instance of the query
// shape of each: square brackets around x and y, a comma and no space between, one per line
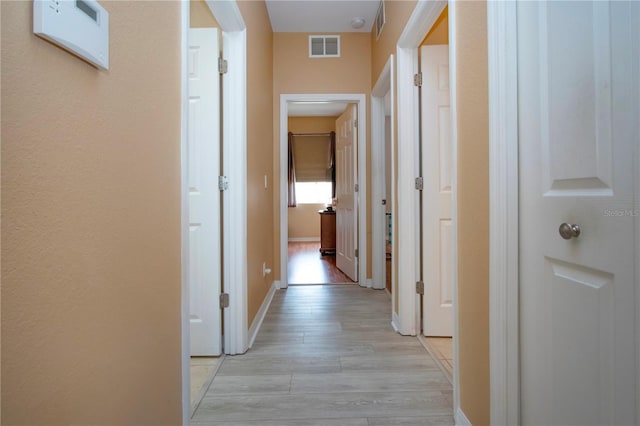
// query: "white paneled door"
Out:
[346,194]
[204,196]
[578,134]
[436,197]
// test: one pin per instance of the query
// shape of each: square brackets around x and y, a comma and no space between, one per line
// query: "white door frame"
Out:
[234,140]
[504,361]
[383,86]
[420,22]
[357,98]
[504,212]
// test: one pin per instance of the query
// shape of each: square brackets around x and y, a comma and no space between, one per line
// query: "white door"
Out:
[577,130]
[346,208]
[436,197]
[204,196]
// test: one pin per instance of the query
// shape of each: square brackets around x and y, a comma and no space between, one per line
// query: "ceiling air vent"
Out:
[380,19]
[324,46]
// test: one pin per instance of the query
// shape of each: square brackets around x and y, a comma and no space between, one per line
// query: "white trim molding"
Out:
[184,214]
[453,89]
[383,86]
[234,147]
[234,199]
[304,239]
[405,219]
[227,14]
[259,318]
[361,100]
[460,419]
[503,202]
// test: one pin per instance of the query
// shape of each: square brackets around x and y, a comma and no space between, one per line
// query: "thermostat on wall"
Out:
[79,26]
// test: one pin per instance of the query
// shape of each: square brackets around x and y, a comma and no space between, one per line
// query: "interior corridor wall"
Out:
[91,223]
[295,72]
[473,209]
[259,153]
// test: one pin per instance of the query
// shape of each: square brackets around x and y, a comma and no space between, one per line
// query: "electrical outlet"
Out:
[265,271]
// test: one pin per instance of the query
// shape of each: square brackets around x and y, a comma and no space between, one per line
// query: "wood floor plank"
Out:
[327,355]
[298,422]
[363,382]
[332,405]
[247,385]
[412,421]
[306,265]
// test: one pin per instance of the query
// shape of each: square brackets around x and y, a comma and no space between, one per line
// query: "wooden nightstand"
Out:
[327,232]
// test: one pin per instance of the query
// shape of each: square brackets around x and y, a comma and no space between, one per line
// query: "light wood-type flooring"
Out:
[327,355]
[307,266]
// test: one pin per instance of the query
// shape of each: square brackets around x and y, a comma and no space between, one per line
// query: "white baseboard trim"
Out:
[257,322]
[304,240]
[394,322]
[460,419]
[277,284]
[368,283]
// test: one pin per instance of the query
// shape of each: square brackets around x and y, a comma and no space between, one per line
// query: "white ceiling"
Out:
[320,16]
[315,109]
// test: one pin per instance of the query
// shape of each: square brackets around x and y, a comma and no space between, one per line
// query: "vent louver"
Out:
[380,19]
[324,46]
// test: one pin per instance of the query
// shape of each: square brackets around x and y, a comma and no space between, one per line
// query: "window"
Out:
[313,192]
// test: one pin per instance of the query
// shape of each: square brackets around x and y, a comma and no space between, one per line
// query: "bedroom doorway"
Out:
[310,228]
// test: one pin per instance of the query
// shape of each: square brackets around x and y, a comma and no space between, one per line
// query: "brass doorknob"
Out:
[569,231]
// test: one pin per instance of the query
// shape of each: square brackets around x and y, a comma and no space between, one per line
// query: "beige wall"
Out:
[200,15]
[397,12]
[295,72]
[439,33]
[303,220]
[91,262]
[473,210]
[260,237]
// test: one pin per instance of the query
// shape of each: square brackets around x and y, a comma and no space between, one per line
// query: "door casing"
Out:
[383,85]
[360,100]
[234,44]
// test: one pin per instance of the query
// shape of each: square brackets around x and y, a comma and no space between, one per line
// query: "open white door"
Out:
[577,118]
[204,196]
[436,196]
[347,204]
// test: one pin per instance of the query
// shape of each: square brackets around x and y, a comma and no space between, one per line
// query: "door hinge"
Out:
[384,202]
[417,79]
[223,183]
[420,183]
[355,123]
[223,66]
[224,300]
[356,188]
[420,287]
[357,253]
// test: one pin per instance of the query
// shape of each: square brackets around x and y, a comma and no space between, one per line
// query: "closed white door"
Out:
[347,205]
[204,196]
[578,133]
[436,197]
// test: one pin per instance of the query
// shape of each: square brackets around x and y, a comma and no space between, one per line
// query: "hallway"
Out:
[327,355]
